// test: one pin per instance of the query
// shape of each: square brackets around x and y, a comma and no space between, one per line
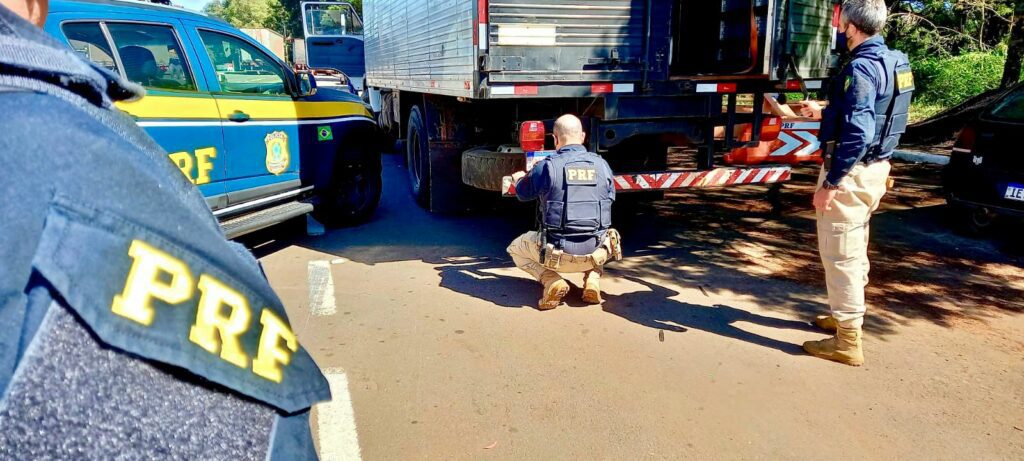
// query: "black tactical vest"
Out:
[891,111]
[578,209]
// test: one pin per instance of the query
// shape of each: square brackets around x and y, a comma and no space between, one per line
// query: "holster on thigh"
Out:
[613,243]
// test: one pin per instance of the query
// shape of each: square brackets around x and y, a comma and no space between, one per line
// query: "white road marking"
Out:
[336,421]
[321,288]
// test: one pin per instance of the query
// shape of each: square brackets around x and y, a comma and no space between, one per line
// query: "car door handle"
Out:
[238,116]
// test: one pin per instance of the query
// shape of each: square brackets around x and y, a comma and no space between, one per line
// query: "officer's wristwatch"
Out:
[829,186]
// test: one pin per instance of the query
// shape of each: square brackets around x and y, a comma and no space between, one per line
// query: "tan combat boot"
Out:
[555,288]
[592,289]
[826,322]
[844,347]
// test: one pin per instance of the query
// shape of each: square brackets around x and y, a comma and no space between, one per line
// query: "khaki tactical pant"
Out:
[843,240]
[525,252]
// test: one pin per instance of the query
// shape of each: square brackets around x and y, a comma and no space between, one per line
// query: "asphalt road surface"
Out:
[433,349]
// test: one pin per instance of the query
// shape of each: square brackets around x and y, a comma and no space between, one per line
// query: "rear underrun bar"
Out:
[669,180]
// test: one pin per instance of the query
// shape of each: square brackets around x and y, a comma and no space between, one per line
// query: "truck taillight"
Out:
[965,141]
[531,136]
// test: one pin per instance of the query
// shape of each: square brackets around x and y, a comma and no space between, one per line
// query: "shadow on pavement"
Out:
[656,309]
[729,242]
[652,308]
[473,278]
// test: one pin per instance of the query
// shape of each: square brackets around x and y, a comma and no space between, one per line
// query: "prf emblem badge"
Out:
[277,152]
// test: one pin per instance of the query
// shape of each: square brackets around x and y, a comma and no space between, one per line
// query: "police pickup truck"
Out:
[261,142]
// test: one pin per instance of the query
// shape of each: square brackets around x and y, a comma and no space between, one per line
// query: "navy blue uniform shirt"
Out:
[849,119]
[129,326]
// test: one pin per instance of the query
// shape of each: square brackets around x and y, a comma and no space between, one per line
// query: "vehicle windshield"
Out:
[331,19]
[1010,108]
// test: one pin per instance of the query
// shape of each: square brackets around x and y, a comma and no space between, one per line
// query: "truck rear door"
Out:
[573,40]
[334,39]
[804,44]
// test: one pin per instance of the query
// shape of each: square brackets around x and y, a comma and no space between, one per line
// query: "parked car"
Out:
[984,179]
[261,142]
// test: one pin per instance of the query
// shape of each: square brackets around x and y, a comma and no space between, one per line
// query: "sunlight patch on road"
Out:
[321,288]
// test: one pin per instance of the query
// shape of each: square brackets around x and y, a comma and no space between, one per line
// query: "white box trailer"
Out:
[273,41]
[299,53]
[450,76]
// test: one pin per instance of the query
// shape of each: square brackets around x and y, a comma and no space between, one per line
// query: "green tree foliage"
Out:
[929,28]
[958,47]
[948,81]
[245,13]
[282,16]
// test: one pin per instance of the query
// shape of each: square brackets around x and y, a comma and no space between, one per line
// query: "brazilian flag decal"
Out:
[323,133]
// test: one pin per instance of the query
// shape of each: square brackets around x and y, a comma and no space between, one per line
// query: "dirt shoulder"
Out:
[921,268]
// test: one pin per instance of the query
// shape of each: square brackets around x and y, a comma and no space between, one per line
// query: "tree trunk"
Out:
[1015,49]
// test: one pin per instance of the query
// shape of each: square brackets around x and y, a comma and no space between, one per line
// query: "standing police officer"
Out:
[866,114]
[576,192]
[130,328]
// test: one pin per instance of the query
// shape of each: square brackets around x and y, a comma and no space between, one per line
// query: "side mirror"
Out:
[307,84]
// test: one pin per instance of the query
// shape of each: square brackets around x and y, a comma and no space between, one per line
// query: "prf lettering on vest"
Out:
[580,174]
[186,161]
[223,314]
[904,80]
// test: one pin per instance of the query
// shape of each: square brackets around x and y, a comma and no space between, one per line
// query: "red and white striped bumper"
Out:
[668,180]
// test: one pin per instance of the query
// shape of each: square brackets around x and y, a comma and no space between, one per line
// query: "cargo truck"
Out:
[334,41]
[473,86]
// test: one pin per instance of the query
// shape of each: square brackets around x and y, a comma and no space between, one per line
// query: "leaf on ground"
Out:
[491,445]
[702,290]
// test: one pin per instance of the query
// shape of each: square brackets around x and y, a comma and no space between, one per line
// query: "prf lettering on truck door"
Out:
[195,166]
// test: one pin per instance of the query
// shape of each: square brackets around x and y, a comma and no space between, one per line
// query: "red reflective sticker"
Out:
[526,89]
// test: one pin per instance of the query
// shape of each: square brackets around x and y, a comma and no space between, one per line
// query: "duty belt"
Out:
[829,151]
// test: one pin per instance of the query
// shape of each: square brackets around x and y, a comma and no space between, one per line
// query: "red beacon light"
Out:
[531,136]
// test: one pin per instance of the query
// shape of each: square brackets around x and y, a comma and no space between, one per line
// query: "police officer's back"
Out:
[130,327]
[575,191]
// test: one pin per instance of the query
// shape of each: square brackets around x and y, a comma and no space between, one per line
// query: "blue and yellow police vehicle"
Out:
[261,142]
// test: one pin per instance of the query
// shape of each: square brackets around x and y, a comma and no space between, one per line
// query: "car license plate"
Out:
[1015,192]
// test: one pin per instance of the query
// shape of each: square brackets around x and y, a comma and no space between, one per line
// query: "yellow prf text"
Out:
[223,314]
[196,167]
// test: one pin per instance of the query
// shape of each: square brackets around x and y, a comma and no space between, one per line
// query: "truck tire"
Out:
[483,168]
[354,192]
[417,157]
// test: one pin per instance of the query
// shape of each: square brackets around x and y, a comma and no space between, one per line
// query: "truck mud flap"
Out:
[447,193]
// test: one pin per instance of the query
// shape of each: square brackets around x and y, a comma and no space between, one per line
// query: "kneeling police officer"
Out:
[575,191]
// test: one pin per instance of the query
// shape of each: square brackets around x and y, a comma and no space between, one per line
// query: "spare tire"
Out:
[483,168]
